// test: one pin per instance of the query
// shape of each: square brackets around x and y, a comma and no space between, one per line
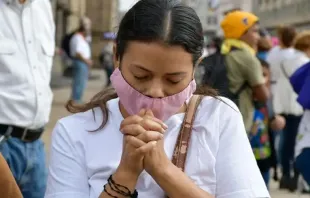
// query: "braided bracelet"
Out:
[116,188]
[118,185]
[105,190]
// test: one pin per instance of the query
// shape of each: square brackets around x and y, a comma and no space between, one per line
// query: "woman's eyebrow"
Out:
[169,74]
[176,73]
[141,67]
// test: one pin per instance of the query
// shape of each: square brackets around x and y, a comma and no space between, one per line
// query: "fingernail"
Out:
[161,135]
[165,126]
[154,143]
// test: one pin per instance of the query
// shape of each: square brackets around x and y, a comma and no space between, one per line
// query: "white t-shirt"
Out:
[275,57]
[283,63]
[79,44]
[303,137]
[220,159]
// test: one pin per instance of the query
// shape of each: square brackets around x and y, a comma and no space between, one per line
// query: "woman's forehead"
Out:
[158,56]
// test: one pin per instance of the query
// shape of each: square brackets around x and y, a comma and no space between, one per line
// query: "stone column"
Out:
[104,16]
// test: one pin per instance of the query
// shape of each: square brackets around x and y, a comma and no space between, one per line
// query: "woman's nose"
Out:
[155,91]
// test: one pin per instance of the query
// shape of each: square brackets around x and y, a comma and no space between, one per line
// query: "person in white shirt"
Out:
[284,61]
[27,40]
[81,54]
[127,136]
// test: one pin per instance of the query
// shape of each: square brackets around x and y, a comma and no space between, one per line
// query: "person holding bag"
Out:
[151,136]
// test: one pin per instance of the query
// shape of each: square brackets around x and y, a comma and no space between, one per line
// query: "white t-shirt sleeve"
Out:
[67,175]
[238,175]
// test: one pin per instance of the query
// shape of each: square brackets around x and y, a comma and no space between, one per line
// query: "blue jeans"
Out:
[80,78]
[288,144]
[303,164]
[27,163]
[266,177]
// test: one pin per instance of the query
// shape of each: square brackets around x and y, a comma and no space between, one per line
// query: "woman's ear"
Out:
[115,58]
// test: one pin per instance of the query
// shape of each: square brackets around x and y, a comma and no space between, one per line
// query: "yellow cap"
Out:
[236,23]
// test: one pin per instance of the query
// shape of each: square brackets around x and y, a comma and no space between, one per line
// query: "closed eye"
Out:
[141,77]
[174,82]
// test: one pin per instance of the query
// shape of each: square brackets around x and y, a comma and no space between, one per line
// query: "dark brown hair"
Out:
[287,35]
[146,21]
[302,41]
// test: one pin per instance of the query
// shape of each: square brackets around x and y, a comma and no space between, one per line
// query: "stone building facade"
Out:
[273,13]
[211,18]
[103,13]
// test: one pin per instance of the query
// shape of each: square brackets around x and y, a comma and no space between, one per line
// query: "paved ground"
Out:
[62,94]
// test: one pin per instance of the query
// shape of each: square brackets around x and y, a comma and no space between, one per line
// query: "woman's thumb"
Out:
[142,112]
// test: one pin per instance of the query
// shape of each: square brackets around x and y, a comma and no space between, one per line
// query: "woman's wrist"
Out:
[126,178]
[161,170]
[121,184]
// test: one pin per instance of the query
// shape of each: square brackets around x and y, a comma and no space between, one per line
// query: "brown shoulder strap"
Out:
[181,147]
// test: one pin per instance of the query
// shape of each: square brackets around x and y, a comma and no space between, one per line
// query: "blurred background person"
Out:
[243,69]
[106,56]
[65,52]
[211,57]
[264,44]
[284,61]
[301,83]
[261,135]
[277,54]
[27,40]
[81,53]
[215,45]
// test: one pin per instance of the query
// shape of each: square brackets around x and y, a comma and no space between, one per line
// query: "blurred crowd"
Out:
[270,83]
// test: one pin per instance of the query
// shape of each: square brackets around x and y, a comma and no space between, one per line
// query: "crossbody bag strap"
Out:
[283,70]
[181,147]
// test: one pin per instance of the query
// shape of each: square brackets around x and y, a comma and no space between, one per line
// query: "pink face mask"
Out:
[133,101]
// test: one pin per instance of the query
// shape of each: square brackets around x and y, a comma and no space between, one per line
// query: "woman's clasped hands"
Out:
[143,146]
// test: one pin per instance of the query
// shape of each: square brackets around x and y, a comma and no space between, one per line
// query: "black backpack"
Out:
[65,43]
[215,76]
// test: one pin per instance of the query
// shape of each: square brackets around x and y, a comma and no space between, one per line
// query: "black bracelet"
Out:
[118,185]
[116,188]
[134,194]
[105,190]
